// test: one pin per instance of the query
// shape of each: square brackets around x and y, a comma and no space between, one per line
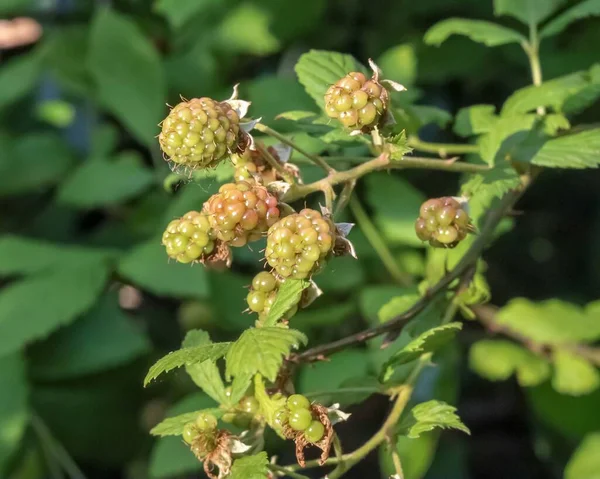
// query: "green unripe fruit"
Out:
[206,422]
[190,432]
[314,432]
[249,405]
[300,419]
[189,238]
[443,222]
[446,215]
[264,281]
[256,301]
[446,235]
[297,401]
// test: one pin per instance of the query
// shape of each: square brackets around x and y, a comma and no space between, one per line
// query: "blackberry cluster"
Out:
[263,293]
[243,413]
[298,415]
[298,244]
[358,103]
[199,133]
[189,238]
[443,222]
[204,423]
[241,212]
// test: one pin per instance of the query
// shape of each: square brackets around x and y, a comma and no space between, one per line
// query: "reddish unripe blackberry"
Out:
[199,133]
[443,222]
[263,294]
[189,238]
[298,244]
[241,212]
[358,103]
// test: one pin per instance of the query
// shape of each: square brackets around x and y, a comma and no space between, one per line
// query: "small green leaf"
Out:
[397,306]
[573,374]
[128,73]
[428,342]
[20,255]
[87,186]
[480,31]
[18,78]
[579,150]
[395,203]
[186,357]
[288,296]
[24,317]
[178,12]
[103,339]
[250,467]
[484,187]
[269,405]
[430,415]
[261,350]
[148,266]
[475,120]
[298,115]
[206,375]
[530,12]
[373,298]
[397,146]
[552,321]
[14,410]
[317,70]
[173,426]
[494,144]
[587,8]
[44,154]
[554,93]
[497,360]
[585,461]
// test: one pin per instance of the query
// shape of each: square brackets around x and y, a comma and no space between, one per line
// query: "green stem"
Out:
[377,242]
[396,460]
[441,149]
[345,196]
[382,162]
[274,163]
[314,158]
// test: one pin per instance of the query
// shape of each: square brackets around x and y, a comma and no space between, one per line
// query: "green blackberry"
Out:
[263,294]
[443,222]
[199,133]
[189,238]
[298,244]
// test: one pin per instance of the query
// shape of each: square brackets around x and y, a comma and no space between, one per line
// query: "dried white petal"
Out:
[336,415]
[284,152]
[248,126]
[238,447]
[376,70]
[355,133]
[344,228]
[279,188]
[310,294]
[395,85]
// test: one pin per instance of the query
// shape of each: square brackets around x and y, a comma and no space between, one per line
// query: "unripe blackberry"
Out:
[298,244]
[241,212]
[358,103]
[199,133]
[251,165]
[443,222]
[263,294]
[189,238]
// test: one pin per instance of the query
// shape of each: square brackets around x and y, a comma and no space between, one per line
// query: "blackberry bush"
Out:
[241,212]
[199,133]
[298,244]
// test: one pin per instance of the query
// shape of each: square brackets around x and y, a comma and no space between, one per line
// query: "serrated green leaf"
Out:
[206,375]
[396,306]
[186,357]
[553,93]
[18,78]
[428,342]
[317,70]
[477,292]
[20,255]
[475,120]
[14,410]
[178,12]
[395,202]
[173,426]
[269,405]
[67,293]
[128,73]
[585,461]
[103,339]
[397,146]
[573,374]
[288,296]
[250,467]
[261,350]
[530,12]
[579,150]
[587,8]
[45,154]
[494,144]
[430,415]
[488,33]
[492,184]
[87,186]
[497,360]
[552,321]
[148,266]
